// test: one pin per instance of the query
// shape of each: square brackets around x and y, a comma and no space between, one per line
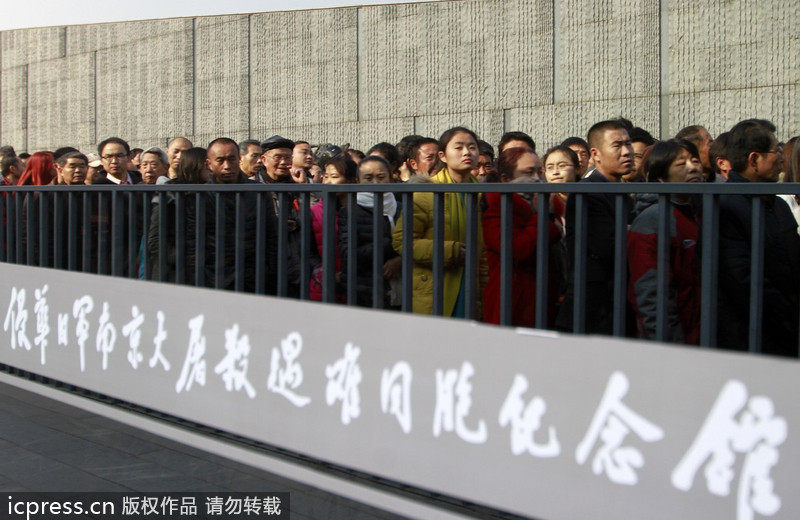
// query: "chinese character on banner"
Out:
[611,423]
[453,401]
[106,335]
[16,319]
[130,506]
[344,377]
[214,505]
[194,366]
[233,366]
[525,421]
[80,309]
[737,425]
[396,393]
[42,320]
[63,329]
[158,341]
[271,506]
[134,335]
[284,381]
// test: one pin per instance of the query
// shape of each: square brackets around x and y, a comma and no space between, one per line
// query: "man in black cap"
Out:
[277,159]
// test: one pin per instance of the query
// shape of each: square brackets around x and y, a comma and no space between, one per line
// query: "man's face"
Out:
[174,151]
[74,171]
[277,162]
[249,161]
[223,161]
[767,165]
[485,167]
[583,158]
[425,158]
[302,156]
[703,147]
[529,165]
[613,156]
[638,151]
[151,168]
[115,160]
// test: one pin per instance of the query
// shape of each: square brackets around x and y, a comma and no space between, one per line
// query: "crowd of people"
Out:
[181,243]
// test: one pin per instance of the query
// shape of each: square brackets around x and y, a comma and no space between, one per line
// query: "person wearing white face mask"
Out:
[372,170]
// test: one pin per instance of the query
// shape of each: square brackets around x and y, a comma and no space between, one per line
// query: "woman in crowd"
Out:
[560,165]
[458,151]
[338,170]
[372,170]
[675,160]
[40,170]
[192,169]
[514,165]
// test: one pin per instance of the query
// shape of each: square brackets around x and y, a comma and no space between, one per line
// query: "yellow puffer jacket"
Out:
[455,232]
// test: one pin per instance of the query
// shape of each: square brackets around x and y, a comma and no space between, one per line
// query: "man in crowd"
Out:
[756,157]
[700,137]
[114,156]
[175,147]
[422,156]
[153,164]
[250,162]
[612,153]
[515,140]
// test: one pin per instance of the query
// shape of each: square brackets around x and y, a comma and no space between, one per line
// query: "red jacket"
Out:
[683,308]
[523,291]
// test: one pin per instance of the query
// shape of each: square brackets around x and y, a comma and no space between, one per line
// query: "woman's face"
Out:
[559,168]
[528,165]
[373,172]
[685,168]
[332,176]
[461,153]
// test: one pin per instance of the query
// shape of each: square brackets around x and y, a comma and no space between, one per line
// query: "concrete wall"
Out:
[362,75]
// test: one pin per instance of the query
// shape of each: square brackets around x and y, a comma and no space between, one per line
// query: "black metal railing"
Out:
[107,230]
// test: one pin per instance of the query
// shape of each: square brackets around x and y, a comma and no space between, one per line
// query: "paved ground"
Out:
[46,445]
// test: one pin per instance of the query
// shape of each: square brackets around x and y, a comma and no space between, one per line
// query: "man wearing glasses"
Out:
[114,157]
[756,157]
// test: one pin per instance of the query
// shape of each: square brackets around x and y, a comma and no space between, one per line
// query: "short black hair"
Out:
[602,127]
[750,135]
[516,136]
[63,158]
[116,140]
[61,151]
[387,150]
[244,145]
[640,135]
[718,149]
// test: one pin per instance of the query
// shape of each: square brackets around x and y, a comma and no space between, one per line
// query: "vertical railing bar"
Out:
[31,228]
[283,245]
[11,224]
[261,243]
[45,224]
[58,229]
[472,260]
[219,241]
[88,231]
[352,250]
[542,259]
[239,241]
[305,220]
[757,273]
[20,231]
[200,239]
[328,246]
[620,266]
[408,252]
[3,245]
[506,257]
[180,238]
[579,304]
[134,239]
[708,277]
[662,269]
[377,252]
[103,231]
[163,231]
[438,254]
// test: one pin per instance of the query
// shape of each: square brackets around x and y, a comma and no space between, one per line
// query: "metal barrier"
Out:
[220,236]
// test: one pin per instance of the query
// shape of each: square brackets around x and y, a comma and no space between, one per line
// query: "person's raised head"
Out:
[674,160]
[250,156]
[458,150]
[700,137]
[40,170]
[422,155]
[114,157]
[610,148]
[517,162]
[302,156]
[754,151]
[175,147]
[193,167]
[153,163]
[718,155]
[276,155]
[581,149]
[560,164]
[374,169]
[223,160]
[72,168]
[340,170]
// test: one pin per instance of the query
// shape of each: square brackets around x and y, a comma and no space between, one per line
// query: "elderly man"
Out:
[153,164]
[175,147]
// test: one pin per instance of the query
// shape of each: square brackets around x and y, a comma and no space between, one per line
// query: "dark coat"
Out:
[600,239]
[780,308]
[365,238]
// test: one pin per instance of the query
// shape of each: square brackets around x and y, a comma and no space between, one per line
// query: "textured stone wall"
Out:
[361,75]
